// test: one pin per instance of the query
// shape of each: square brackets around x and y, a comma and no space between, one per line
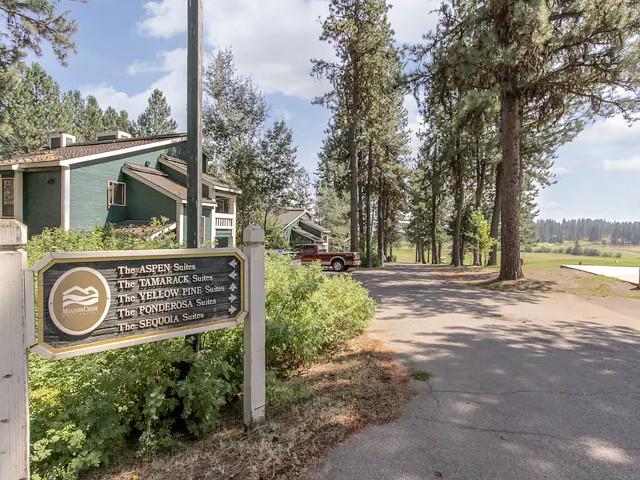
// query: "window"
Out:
[203,223]
[117,195]
[8,200]
[224,205]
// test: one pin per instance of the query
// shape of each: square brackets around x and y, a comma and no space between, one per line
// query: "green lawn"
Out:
[550,261]
[545,261]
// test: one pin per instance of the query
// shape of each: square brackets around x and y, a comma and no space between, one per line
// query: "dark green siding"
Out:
[206,213]
[89,187]
[42,199]
[145,203]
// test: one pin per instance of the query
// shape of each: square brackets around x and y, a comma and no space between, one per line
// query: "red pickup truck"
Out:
[338,261]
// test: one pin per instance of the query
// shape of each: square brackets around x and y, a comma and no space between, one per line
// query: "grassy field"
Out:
[546,261]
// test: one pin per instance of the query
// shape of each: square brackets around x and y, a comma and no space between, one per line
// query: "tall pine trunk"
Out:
[369,189]
[353,151]
[510,268]
[380,220]
[481,173]
[495,218]
[456,253]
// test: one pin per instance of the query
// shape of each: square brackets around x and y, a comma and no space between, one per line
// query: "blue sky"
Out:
[128,48]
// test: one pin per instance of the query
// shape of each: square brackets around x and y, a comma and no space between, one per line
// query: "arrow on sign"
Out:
[233,275]
[232,298]
[233,263]
[232,309]
[233,287]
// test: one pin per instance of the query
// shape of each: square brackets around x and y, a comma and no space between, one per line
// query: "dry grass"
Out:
[358,386]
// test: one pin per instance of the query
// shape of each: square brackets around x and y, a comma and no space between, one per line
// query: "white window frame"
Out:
[13,184]
[110,191]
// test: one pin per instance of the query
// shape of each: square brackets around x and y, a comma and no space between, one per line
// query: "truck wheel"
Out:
[337,265]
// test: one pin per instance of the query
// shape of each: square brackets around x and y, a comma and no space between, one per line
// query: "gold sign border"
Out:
[97,257]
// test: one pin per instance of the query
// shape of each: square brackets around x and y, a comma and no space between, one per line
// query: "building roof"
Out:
[306,234]
[159,181]
[78,151]
[181,166]
[291,215]
[314,225]
[143,228]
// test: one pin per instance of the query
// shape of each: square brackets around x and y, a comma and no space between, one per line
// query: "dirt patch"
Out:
[359,386]
[563,280]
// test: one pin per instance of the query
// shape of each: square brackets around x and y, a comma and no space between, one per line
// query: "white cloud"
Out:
[628,165]
[415,122]
[138,67]
[612,131]
[550,206]
[412,18]
[272,40]
[164,19]
[560,171]
[173,65]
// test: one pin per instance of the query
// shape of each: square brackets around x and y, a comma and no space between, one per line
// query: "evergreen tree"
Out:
[91,123]
[332,211]
[110,119]
[156,119]
[27,23]
[33,112]
[277,169]
[73,108]
[259,159]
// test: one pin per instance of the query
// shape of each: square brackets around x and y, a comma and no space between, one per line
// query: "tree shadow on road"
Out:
[506,400]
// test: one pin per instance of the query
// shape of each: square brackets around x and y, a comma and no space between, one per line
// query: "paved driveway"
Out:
[523,386]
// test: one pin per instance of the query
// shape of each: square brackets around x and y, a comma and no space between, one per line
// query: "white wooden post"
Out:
[254,329]
[14,406]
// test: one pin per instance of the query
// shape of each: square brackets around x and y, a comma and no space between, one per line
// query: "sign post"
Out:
[14,406]
[254,329]
[90,302]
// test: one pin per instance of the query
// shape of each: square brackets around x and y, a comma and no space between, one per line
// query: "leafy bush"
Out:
[86,410]
[375,259]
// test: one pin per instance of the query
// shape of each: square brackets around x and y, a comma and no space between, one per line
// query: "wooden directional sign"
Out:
[94,301]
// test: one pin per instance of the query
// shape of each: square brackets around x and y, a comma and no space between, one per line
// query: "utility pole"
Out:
[194,131]
[194,123]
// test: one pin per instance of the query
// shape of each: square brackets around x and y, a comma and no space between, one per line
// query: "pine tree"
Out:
[259,159]
[73,108]
[278,169]
[30,22]
[156,119]
[110,119]
[33,112]
[91,122]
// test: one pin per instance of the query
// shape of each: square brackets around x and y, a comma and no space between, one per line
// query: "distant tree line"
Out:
[34,106]
[586,229]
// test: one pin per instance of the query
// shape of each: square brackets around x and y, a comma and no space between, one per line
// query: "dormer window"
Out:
[117,194]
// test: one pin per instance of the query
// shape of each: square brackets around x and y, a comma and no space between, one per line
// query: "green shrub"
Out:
[86,410]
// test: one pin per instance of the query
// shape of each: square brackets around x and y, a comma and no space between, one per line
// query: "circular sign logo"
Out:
[79,301]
